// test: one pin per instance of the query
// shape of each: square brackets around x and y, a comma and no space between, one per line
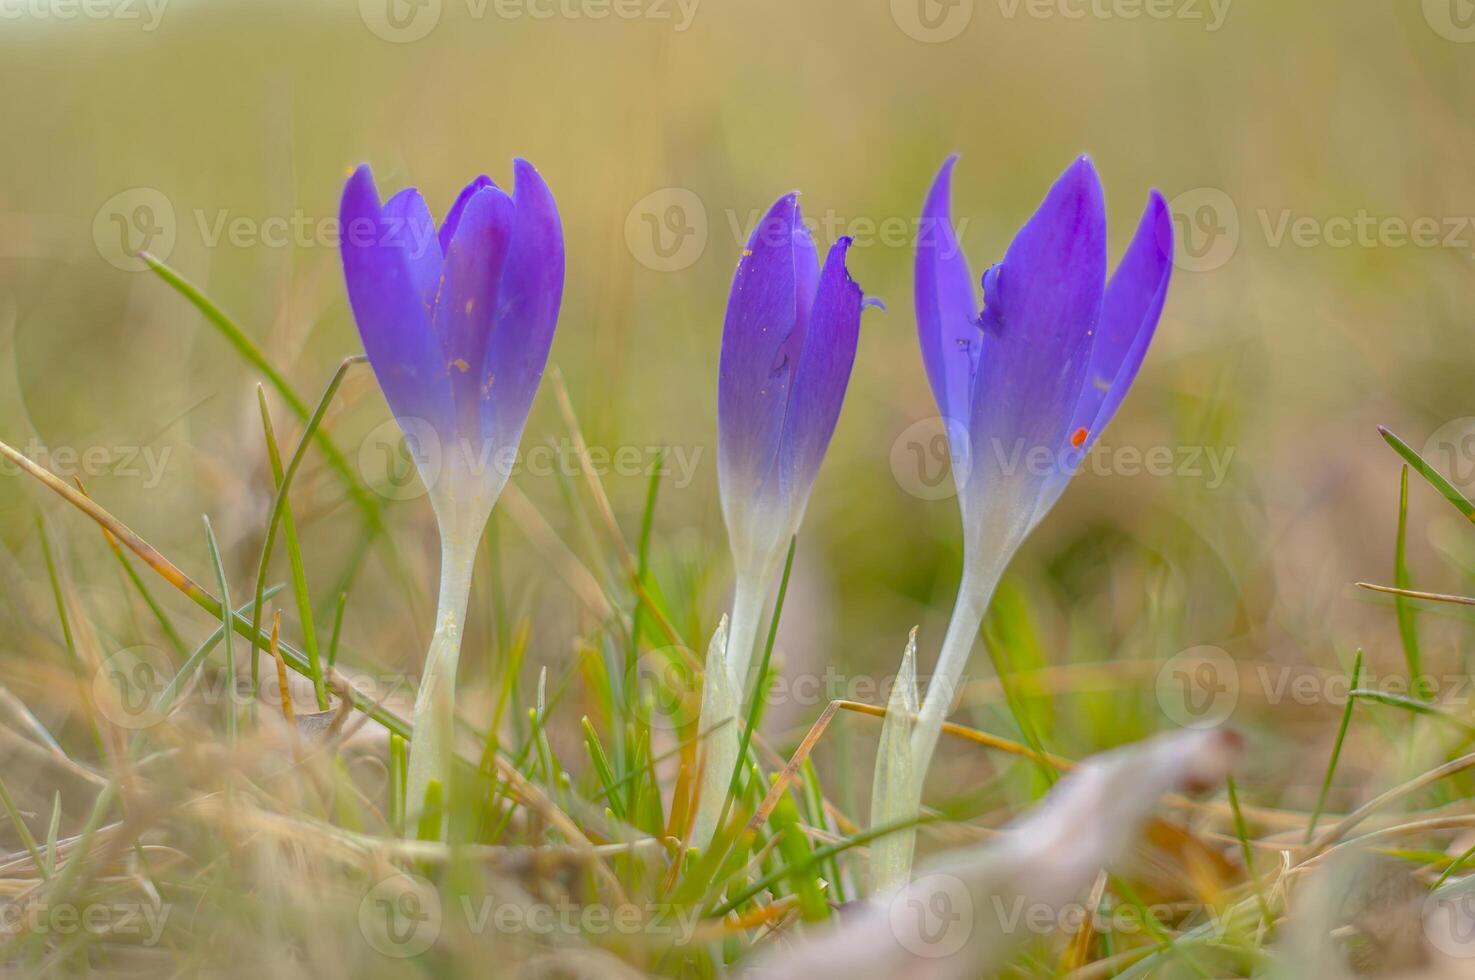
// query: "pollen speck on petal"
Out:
[1078,437]
[460,365]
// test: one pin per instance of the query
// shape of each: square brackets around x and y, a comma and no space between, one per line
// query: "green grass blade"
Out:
[602,768]
[816,856]
[21,830]
[642,556]
[53,832]
[1331,769]
[1242,832]
[798,856]
[294,558]
[1429,473]
[279,502]
[229,636]
[1415,706]
[398,762]
[337,629]
[1407,628]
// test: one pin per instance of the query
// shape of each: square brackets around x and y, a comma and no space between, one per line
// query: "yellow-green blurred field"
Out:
[1318,157]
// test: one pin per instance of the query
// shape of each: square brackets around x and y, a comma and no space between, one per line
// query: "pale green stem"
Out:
[433,747]
[891,786]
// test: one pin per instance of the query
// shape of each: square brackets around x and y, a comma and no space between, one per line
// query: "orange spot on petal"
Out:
[1078,437]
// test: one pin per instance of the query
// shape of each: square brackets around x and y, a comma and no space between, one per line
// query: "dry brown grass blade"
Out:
[288,712]
[1415,594]
[1079,949]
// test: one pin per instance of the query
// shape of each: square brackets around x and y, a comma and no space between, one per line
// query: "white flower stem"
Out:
[747,615]
[724,734]
[432,750]
[974,593]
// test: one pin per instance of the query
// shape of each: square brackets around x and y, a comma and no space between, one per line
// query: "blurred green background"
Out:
[219,135]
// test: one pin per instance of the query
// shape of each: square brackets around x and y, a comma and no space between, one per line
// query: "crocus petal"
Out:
[527,310]
[1040,311]
[389,307]
[1130,311]
[453,216]
[467,302]
[820,379]
[408,225]
[946,304]
[761,341]
[806,283]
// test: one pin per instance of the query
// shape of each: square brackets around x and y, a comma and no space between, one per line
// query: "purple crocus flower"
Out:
[788,345]
[1026,377]
[457,322]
